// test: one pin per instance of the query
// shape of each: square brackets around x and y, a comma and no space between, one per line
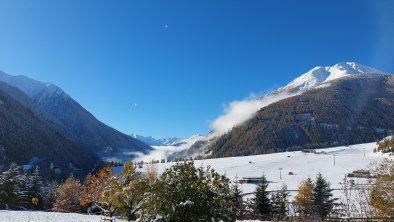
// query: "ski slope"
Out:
[302,165]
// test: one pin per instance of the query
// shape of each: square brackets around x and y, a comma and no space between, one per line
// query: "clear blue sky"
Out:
[109,55]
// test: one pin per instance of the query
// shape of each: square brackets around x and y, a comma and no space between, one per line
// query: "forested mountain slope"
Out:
[349,110]
[25,138]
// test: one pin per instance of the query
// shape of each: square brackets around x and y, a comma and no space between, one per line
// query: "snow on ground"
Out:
[302,165]
[40,216]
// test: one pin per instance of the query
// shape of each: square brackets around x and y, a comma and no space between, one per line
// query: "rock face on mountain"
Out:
[71,117]
[26,137]
[346,110]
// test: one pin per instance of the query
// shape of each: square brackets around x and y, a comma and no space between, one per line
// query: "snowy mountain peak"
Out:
[322,74]
[167,141]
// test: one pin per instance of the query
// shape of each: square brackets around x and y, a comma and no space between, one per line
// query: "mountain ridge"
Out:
[353,109]
[28,138]
[78,123]
[315,78]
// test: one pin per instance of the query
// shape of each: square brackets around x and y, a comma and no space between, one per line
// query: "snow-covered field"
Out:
[39,216]
[302,165]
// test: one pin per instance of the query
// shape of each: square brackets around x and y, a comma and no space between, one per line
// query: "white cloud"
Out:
[163,152]
[237,112]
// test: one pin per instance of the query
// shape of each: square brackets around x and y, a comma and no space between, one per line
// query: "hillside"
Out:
[71,118]
[26,139]
[353,109]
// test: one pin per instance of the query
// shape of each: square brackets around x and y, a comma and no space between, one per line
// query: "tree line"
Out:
[386,145]
[186,193]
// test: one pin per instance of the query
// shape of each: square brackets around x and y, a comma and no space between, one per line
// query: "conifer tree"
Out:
[238,204]
[304,198]
[261,201]
[279,202]
[13,189]
[35,184]
[322,197]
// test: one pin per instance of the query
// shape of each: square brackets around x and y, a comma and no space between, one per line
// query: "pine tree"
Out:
[322,197]
[237,200]
[35,184]
[304,198]
[279,202]
[261,201]
[13,189]
[275,203]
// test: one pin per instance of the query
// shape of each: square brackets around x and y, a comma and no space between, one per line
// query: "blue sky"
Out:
[182,61]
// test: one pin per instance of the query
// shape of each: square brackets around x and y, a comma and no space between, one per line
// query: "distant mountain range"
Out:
[343,104]
[62,119]
[167,141]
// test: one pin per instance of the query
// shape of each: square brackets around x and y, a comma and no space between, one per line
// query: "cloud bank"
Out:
[237,112]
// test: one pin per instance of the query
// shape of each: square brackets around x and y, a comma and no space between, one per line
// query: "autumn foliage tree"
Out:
[94,186]
[304,198]
[125,192]
[67,196]
[382,194]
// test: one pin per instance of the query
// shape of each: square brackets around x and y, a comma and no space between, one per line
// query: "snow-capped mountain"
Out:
[315,78]
[323,74]
[167,141]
